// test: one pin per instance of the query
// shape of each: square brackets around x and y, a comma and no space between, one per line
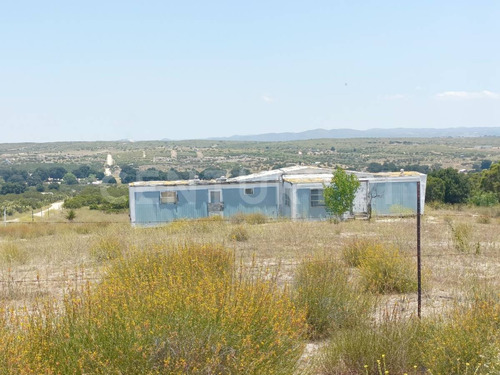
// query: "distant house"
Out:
[294,192]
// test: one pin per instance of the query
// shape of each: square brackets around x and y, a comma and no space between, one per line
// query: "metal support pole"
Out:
[4,216]
[419,263]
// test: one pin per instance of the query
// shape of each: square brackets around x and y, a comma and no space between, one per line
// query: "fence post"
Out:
[419,263]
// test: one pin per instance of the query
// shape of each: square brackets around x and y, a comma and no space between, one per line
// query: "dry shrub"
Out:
[466,340]
[391,345]
[10,253]
[322,287]
[354,251]
[177,226]
[170,311]
[252,219]
[483,219]
[384,269]
[462,238]
[239,233]
[106,248]
[207,224]
[256,218]
[29,230]
[238,218]
[88,228]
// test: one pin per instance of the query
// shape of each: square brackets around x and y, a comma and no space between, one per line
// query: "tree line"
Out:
[130,173]
[450,186]
[15,180]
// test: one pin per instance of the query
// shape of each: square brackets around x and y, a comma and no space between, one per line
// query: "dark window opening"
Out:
[317,198]
[168,197]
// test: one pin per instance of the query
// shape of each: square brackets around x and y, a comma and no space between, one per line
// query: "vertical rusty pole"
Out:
[419,264]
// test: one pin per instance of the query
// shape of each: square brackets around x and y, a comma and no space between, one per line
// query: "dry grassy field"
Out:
[52,258]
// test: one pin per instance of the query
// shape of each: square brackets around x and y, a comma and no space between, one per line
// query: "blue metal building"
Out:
[295,192]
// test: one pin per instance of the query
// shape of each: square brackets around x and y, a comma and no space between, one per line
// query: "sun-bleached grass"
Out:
[463,340]
[239,233]
[358,350]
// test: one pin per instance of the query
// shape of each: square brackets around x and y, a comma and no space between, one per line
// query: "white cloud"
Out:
[267,98]
[466,95]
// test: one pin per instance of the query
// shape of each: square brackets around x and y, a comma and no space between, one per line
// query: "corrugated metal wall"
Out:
[191,204]
[393,198]
[264,200]
[387,198]
[304,209]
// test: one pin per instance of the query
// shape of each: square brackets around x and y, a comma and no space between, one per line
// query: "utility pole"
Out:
[419,260]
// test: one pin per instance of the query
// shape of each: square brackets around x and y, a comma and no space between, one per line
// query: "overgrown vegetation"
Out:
[105,198]
[465,340]
[383,268]
[324,289]
[239,233]
[138,299]
[462,238]
[355,250]
[253,218]
[183,310]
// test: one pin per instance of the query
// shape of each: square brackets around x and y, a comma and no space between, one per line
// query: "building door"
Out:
[215,203]
[361,200]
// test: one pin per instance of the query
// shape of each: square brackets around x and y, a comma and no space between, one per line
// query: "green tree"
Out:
[435,189]
[457,185]
[128,174]
[212,173]
[13,188]
[486,164]
[339,195]
[70,179]
[239,171]
[490,180]
[57,172]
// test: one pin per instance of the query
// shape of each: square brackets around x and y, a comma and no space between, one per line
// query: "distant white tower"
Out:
[109,160]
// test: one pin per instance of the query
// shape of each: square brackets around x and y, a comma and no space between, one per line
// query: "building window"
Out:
[168,197]
[249,191]
[215,196]
[287,198]
[317,199]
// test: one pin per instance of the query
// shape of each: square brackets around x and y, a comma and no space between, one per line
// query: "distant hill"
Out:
[370,133]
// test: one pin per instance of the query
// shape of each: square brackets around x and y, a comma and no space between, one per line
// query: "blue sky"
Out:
[105,70]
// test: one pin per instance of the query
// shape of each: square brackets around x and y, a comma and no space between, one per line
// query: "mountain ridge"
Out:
[369,133]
